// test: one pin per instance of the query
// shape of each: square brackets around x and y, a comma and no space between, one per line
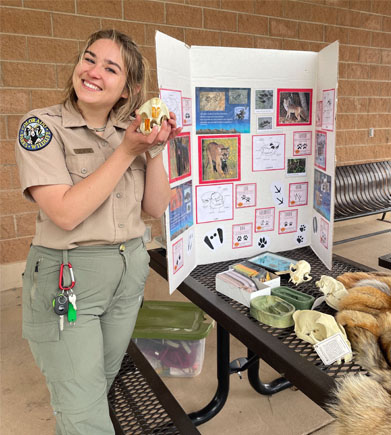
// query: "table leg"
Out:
[223,373]
[264,388]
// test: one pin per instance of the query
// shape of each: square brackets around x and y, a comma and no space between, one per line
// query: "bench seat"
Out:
[362,190]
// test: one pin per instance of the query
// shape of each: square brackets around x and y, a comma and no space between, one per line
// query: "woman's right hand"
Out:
[135,143]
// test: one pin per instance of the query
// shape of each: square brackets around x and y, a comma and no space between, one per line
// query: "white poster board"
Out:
[243,170]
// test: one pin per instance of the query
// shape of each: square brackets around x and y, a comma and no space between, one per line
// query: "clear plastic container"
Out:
[171,335]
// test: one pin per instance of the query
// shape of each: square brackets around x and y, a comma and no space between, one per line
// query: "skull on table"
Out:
[300,272]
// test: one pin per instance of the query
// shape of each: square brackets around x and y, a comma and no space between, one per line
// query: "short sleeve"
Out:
[40,154]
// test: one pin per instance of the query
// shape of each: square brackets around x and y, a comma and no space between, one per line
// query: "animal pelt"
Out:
[352,279]
[362,404]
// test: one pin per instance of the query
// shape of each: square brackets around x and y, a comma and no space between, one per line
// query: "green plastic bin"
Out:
[171,335]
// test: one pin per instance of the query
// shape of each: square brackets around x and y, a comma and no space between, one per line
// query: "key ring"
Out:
[60,282]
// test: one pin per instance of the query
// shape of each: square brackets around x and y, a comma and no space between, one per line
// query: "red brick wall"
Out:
[39,38]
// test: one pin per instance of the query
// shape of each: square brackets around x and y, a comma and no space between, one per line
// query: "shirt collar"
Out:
[71,117]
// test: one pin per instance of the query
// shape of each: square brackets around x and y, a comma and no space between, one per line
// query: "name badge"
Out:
[83,150]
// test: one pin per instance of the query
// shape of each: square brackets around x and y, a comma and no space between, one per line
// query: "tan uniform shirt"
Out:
[55,146]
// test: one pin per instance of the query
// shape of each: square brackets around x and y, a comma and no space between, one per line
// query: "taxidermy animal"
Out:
[292,108]
[217,157]
[362,404]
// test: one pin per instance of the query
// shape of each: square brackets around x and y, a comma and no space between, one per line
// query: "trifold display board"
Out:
[253,169]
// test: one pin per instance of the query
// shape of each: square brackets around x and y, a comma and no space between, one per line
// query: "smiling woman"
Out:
[85,163]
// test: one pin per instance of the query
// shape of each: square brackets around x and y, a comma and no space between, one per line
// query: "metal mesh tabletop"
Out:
[206,275]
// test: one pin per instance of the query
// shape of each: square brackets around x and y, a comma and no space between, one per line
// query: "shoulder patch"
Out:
[34,134]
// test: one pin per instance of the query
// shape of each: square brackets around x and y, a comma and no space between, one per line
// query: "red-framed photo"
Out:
[179,157]
[219,158]
[294,107]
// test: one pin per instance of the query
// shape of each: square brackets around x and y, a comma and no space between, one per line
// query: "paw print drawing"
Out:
[239,238]
[300,239]
[245,237]
[302,228]
[262,242]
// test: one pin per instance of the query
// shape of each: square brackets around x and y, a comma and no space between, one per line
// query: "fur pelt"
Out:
[362,404]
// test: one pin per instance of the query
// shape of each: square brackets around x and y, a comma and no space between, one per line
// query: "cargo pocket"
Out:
[50,352]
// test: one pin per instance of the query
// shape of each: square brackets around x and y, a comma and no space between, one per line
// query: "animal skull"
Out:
[313,327]
[332,289]
[153,112]
[300,272]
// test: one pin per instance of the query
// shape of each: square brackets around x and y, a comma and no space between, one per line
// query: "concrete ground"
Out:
[25,408]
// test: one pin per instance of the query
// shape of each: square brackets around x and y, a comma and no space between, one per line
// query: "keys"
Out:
[72,313]
[61,305]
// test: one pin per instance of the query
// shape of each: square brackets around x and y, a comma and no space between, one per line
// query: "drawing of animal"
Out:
[290,108]
[217,157]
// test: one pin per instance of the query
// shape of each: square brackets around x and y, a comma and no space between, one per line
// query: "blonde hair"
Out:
[136,69]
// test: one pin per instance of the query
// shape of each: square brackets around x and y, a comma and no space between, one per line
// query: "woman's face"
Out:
[99,78]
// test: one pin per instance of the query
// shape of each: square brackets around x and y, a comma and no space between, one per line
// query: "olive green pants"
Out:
[81,361]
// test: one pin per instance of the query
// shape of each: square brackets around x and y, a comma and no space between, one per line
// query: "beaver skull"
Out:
[153,112]
[332,289]
[300,272]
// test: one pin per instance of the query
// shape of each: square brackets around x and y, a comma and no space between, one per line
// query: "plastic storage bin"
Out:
[172,335]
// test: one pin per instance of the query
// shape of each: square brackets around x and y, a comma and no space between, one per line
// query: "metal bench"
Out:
[141,404]
[362,190]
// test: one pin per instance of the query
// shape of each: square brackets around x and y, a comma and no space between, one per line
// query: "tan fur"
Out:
[358,319]
[291,108]
[362,403]
[368,299]
[217,153]
[349,279]
[363,407]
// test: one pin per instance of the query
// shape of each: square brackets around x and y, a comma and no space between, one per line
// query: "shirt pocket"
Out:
[81,166]
[137,170]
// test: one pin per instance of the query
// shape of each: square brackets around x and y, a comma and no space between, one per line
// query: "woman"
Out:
[87,166]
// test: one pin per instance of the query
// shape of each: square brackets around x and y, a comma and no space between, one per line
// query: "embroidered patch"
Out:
[34,134]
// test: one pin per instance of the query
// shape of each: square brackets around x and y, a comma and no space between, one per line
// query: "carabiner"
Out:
[60,281]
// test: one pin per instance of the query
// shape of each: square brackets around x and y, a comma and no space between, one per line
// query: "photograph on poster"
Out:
[268,152]
[264,219]
[320,149]
[319,111]
[264,100]
[187,112]
[219,158]
[328,109]
[242,235]
[223,110]
[177,255]
[298,194]
[179,157]
[214,203]
[322,193]
[294,107]
[302,143]
[173,100]
[324,233]
[287,221]
[296,167]
[180,209]
[246,195]
[264,123]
